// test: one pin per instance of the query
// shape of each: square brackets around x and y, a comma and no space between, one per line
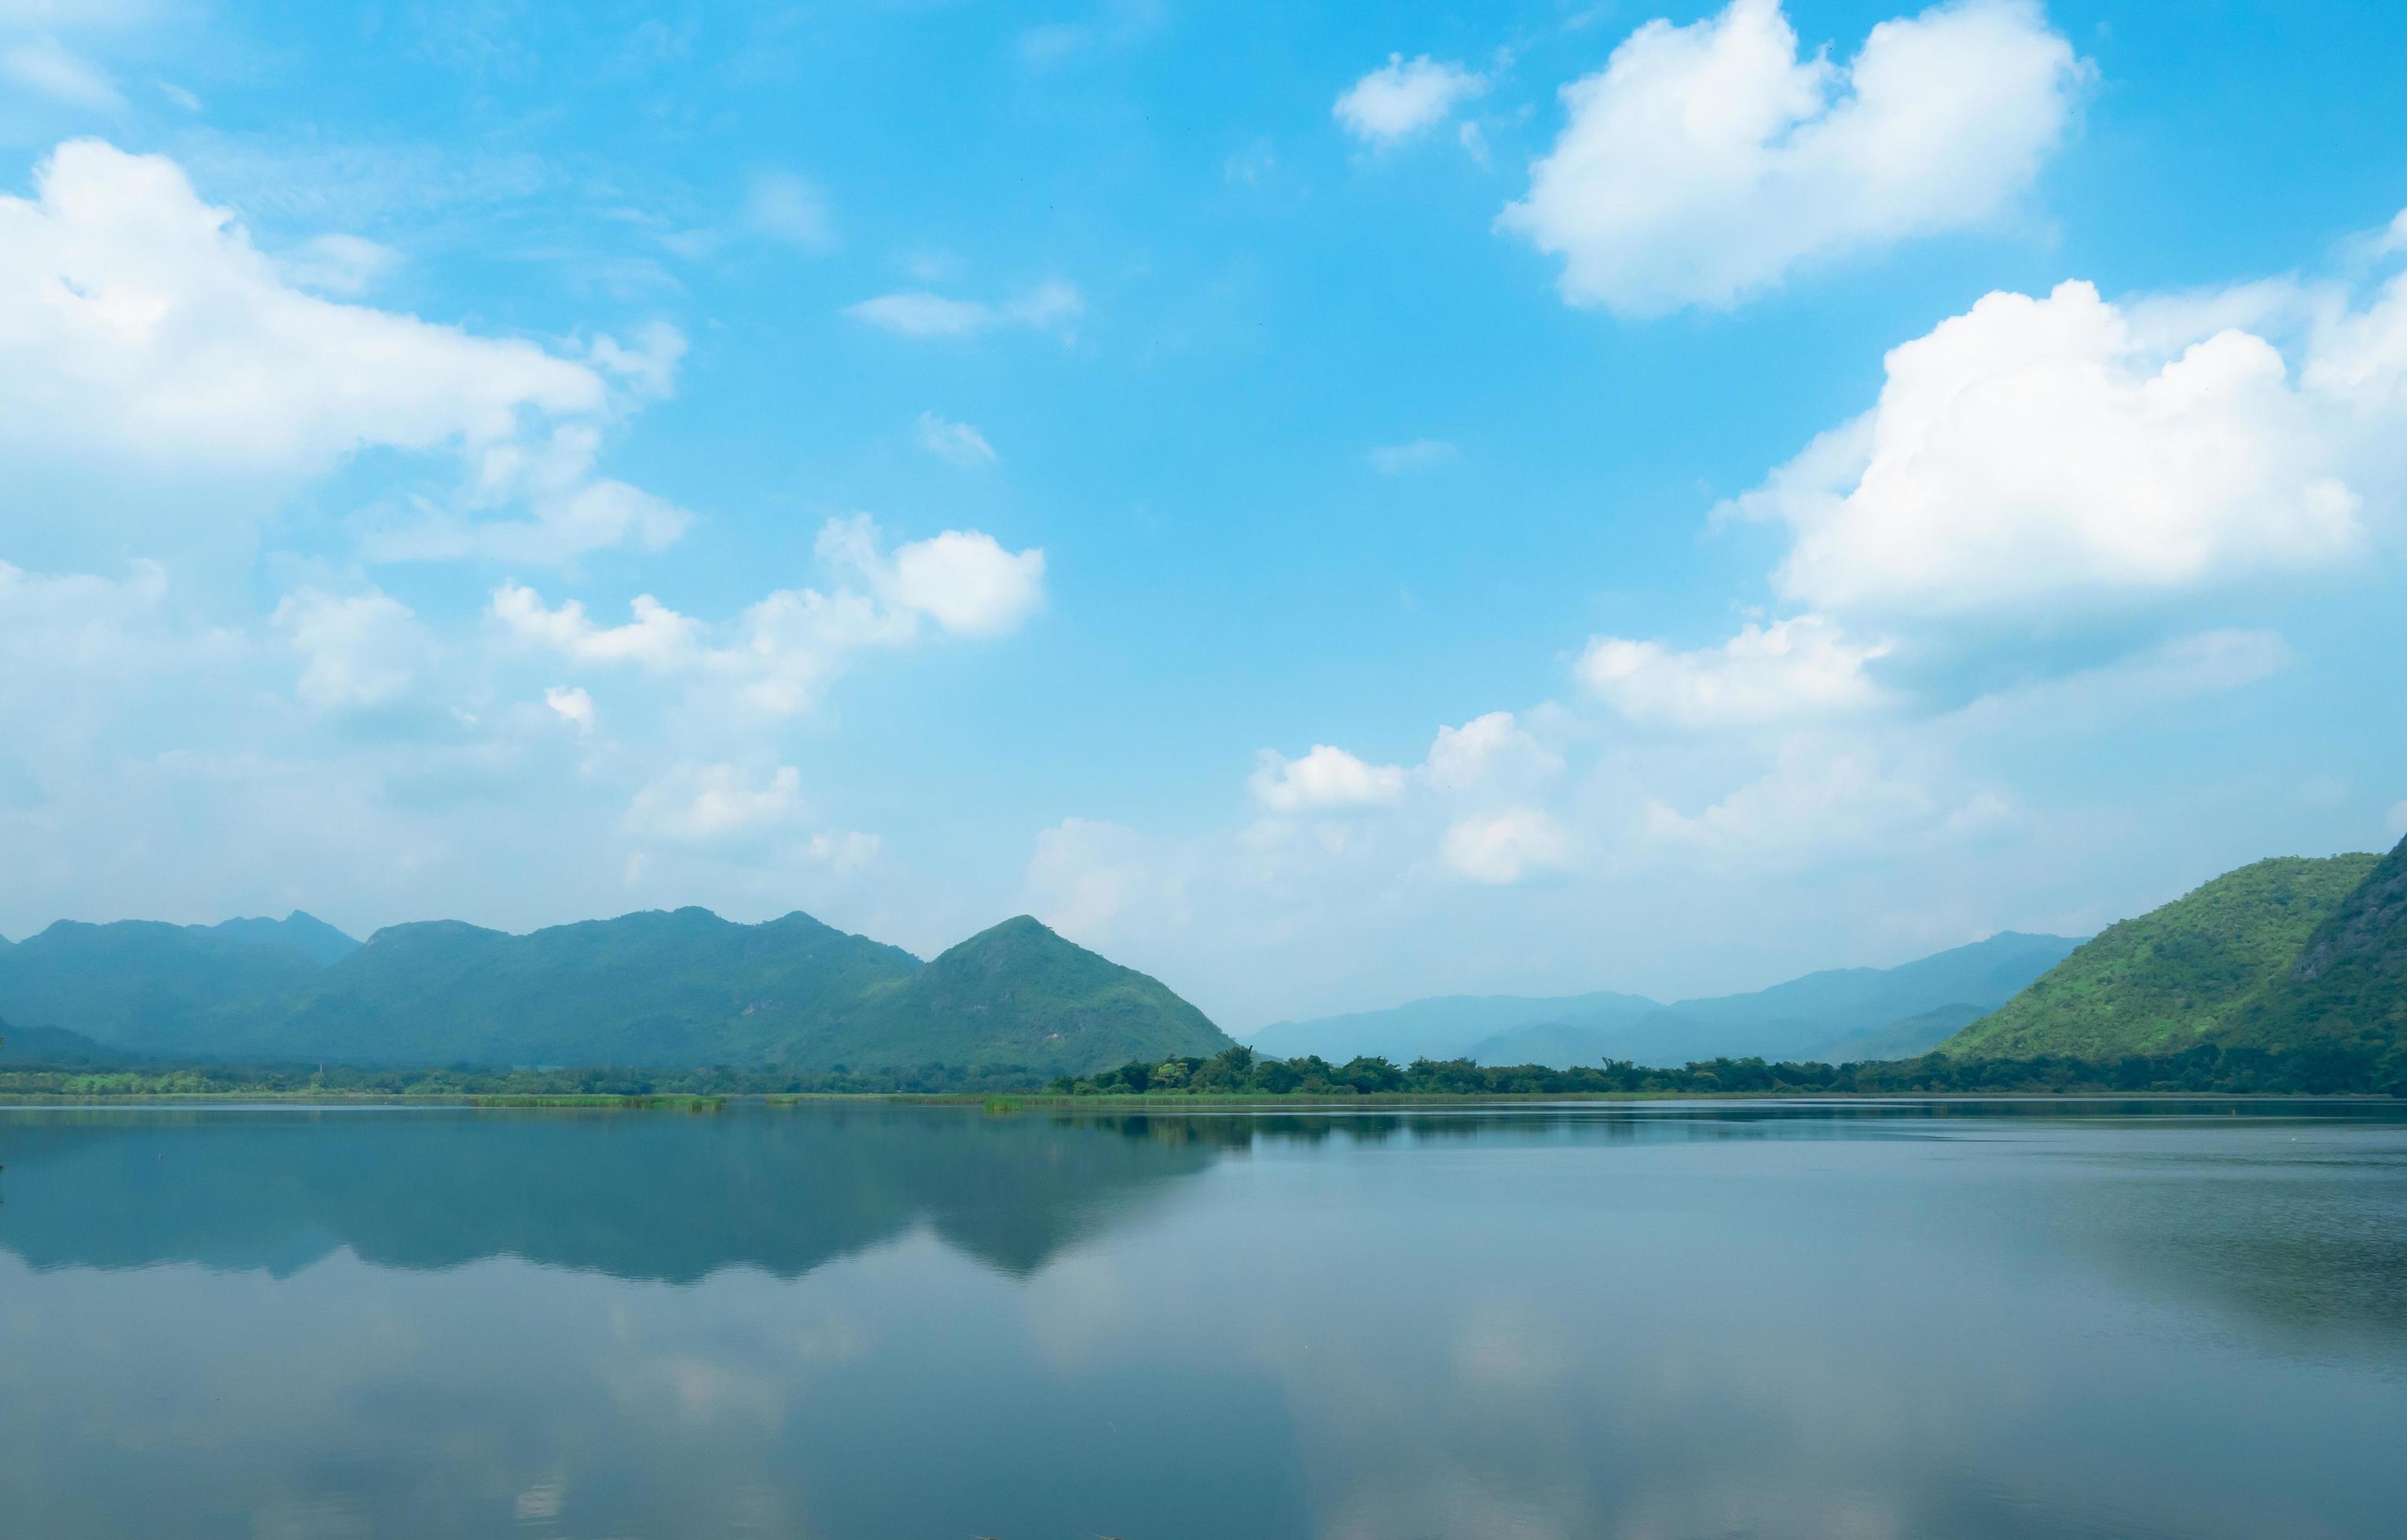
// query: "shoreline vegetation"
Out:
[1238,1076]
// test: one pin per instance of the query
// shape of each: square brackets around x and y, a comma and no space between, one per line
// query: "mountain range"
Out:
[1835,1016]
[675,988]
[2287,955]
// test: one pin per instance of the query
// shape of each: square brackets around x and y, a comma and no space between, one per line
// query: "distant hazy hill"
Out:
[1839,1013]
[307,934]
[2187,971]
[667,989]
[1445,1027]
[145,987]
[54,1046]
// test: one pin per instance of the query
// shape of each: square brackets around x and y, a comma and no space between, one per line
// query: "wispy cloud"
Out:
[959,442]
[1421,454]
[922,313]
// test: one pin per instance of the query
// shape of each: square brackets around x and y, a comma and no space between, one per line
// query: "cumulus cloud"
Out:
[356,650]
[919,313]
[140,328]
[1402,97]
[573,706]
[569,510]
[1503,846]
[779,655]
[1789,670]
[1705,162]
[1421,454]
[1487,751]
[1326,779]
[697,803]
[959,442]
[2043,454]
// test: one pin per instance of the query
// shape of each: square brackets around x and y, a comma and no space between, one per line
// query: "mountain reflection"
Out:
[651,1197]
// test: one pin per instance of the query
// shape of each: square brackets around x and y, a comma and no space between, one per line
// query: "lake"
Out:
[1781,1319]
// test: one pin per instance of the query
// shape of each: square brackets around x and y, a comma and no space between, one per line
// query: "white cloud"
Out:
[1421,454]
[569,509]
[42,65]
[966,582]
[919,313]
[1704,162]
[1802,667]
[779,655]
[791,208]
[1402,97]
[2041,454]
[574,707]
[1326,779]
[702,803]
[657,638]
[140,330]
[1485,751]
[1503,846]
[357,649]
[959,442]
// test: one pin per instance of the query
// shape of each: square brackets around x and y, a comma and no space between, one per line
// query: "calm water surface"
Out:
[1778,1321]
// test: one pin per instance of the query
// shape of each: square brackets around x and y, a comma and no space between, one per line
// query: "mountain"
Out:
[663,989]
[1020,994]
[53,1048]
[1445,1027]
[1836,1015]
[305,933]
[2184,973]
[1832,1015]
[662,986]
[143,987]
[2348,985]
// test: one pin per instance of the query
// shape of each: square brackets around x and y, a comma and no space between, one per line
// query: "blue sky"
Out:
[1328,505]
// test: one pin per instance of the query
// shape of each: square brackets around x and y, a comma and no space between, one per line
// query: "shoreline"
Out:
[1007,1104]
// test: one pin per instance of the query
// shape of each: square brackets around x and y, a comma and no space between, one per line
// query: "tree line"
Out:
[2206,1068]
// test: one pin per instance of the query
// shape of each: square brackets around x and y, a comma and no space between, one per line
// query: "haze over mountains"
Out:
[665,989]
[2286,956]
[1833,1016]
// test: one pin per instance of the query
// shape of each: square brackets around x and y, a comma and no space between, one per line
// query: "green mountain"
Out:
[680,989]
[1020,994]
[143,987]
[305,933]
[2348,985]
[660,988]
[1835,1015]
[53,1048]
[2177,975]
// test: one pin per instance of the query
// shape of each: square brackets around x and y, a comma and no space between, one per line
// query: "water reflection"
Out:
[1842,1319]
